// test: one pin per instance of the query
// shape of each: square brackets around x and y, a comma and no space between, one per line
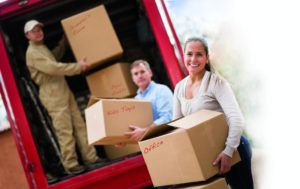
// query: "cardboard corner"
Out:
[92,100]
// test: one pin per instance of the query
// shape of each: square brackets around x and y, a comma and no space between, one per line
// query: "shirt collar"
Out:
[36,42]
[147,90]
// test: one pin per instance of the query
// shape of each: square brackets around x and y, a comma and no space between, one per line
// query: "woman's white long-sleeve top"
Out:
[215,94]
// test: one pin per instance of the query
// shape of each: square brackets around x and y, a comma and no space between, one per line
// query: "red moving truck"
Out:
[142,34]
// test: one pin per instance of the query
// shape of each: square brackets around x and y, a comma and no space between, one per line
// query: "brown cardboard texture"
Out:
[185,148]
[216,183]
[113,152]
[91,34]
[112,82]
[108,119]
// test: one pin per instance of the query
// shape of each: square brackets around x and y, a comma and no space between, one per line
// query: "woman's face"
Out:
[195,57]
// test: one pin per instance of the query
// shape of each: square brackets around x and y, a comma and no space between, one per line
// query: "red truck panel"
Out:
[17,119]
[163,41]
[129,173]
[10,8]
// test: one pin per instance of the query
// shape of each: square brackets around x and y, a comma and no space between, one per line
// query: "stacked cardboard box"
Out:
[108,119]
[112,82]
[91,34]
[185,148]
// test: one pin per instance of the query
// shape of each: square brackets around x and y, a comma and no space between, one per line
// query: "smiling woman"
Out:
[205,89]
[219,24]
[214,22]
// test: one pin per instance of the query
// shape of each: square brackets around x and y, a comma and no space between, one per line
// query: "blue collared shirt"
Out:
[161,98]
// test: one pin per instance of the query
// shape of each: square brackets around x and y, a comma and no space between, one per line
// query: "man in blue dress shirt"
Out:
[160,95]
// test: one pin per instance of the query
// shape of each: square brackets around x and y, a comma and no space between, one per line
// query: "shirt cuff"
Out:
[78,68]
[228,151]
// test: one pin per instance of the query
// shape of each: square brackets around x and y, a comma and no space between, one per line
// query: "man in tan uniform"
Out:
[57,98]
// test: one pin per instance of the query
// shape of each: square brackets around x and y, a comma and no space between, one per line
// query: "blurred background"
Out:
[254,45]
[214,21]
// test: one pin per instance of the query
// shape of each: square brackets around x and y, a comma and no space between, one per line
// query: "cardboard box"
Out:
[112,82]
[216,183]
[185,148]
[91,34]
[113,152]
[108,119]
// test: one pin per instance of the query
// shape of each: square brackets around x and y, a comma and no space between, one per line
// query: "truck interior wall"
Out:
[133,30]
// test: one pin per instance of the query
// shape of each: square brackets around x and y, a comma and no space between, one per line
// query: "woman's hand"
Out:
[225,163]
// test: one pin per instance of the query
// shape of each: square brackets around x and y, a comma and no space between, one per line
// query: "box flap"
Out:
[194,119]
[156,131]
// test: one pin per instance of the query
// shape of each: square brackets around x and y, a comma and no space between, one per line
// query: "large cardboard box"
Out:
[91,34]
[216,183]
[185,148]
[112,82]
[113,152]
[108,119]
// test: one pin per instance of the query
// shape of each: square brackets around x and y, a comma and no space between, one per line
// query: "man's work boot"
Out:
[76,170]
[96,164]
